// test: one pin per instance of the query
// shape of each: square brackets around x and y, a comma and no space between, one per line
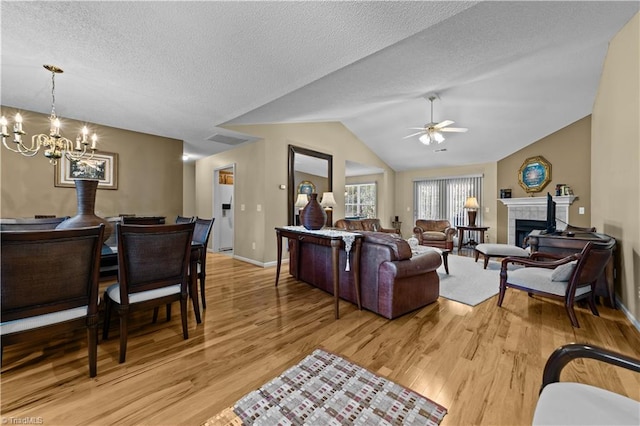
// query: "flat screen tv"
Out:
[551,215]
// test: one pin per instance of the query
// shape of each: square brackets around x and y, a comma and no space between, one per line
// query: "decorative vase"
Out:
[85,215]
[312,215]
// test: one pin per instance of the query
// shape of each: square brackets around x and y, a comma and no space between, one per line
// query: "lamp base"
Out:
[472,217]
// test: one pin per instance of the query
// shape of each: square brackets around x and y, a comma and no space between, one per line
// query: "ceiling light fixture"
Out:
[431,136]
[55,145]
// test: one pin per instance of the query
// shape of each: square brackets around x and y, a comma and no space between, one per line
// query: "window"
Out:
[443,198]
[360,200]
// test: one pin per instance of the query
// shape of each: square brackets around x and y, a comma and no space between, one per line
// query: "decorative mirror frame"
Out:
[292,193]
[534,174]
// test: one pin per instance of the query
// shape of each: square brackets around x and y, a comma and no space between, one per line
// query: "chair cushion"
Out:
[503,250]
[568,403]
[113,291]
[433,236]
[42,320]
[563,272]
[540,279]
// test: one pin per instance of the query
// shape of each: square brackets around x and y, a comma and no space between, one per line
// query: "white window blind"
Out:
[361,201]
[444,198]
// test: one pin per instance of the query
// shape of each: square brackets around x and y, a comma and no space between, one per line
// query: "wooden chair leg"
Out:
[183,315]
[155,314]
[572,315]
[168,312]
[204,300]
[107,317]
[123,336]
[92,343]
[503,290]
[592,304]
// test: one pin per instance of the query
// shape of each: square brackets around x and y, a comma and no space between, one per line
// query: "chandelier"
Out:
[54,144]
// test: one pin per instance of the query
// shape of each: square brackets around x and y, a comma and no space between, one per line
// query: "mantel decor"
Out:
[103,167]
[534,174]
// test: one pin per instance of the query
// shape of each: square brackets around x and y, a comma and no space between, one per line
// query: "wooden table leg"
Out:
[356,271]
[279,261]
[460,238]
[335,266]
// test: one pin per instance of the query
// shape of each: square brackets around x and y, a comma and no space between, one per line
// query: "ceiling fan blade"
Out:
[444,123]
[454,129]
[417,128]
[413,134]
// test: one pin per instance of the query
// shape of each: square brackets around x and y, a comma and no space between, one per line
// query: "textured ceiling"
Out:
[511,72]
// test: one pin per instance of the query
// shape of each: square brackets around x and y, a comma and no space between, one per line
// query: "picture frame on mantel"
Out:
[103,167]
[534,174]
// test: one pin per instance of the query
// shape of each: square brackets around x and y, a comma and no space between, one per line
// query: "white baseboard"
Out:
[629,316]
[261,264]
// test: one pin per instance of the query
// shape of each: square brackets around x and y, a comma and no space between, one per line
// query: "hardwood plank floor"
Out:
[483,363]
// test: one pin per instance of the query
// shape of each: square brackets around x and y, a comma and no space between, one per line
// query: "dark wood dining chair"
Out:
[569,279]
[153,270]
[201,235]
[184,219]
[49,282]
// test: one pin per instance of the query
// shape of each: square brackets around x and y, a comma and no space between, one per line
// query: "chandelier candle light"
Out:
[55,145]
[472,207]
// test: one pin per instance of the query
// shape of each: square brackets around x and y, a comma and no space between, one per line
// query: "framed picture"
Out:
[534,174]
[103,167]
[306,187]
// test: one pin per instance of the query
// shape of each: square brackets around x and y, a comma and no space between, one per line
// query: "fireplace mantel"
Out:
[565,200]
[535,208]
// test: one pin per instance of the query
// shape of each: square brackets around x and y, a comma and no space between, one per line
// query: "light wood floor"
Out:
[483,363]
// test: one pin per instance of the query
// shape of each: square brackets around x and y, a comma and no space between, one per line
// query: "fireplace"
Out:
[525,226]
[535,208]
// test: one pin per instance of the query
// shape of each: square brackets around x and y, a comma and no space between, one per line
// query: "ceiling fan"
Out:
[432,131]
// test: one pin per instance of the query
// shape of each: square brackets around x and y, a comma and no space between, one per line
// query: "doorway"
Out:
[223,208]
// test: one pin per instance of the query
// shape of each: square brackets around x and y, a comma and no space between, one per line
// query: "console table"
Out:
[479,229]
[332,238]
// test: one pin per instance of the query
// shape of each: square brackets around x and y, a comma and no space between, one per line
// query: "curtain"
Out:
[444,198]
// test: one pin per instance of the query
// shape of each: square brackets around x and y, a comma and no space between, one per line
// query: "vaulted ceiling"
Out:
[511,72]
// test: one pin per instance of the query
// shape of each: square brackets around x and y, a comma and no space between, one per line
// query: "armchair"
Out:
[372,225]
[435,233]
[569,278]
[569,403]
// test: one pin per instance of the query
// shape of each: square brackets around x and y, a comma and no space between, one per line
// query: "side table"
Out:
[479,229]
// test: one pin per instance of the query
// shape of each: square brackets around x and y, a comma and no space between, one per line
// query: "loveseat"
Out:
[392,282]
[435,233]
[372,225]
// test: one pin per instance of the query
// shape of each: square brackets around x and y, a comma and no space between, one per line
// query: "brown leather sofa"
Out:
[435,233]
[392,282]
[372,225]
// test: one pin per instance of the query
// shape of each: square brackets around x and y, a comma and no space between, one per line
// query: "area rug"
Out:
[326,389]
[467,281]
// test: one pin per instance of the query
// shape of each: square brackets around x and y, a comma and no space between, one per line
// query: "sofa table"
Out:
[324,237]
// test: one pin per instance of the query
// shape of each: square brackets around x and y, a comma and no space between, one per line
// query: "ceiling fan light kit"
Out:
[432,131]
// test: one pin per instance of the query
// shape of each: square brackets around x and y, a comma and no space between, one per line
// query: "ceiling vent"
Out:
[227,140]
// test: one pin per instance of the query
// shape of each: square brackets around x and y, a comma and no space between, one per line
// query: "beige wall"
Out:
[189,189]
[569,152]
[150,175]
[615,147]
[262,166]
[404,193]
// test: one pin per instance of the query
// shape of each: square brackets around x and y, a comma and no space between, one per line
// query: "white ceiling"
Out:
[511,72]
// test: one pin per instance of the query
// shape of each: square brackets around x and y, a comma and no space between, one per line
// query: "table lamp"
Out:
[328,203]
[472,207]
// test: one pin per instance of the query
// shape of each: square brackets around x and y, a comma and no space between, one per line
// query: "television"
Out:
[551,215]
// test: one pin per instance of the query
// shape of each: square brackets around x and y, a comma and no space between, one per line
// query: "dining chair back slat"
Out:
[201,235]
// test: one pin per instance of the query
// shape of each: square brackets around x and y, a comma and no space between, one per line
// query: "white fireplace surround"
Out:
[535,208]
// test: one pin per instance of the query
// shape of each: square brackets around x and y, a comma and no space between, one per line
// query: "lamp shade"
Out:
[328,200]
[471,203]
[302,200]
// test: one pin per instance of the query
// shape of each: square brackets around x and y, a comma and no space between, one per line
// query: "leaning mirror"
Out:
[309,171]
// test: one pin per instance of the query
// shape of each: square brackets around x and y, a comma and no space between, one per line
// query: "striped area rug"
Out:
[326,389]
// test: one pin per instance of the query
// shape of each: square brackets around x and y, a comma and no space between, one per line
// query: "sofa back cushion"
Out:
[433,225]
[349,225]
[398,248]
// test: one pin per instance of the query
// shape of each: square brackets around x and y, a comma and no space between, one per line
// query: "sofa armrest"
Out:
[450,233]
[416,265]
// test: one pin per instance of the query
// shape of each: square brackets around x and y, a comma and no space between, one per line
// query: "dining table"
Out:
[109,269]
